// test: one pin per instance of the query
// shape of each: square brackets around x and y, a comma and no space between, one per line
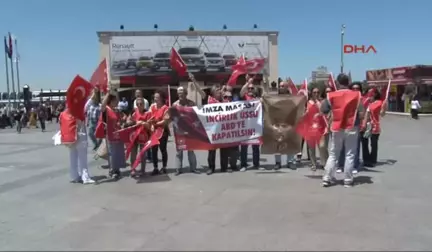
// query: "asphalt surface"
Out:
[388,209]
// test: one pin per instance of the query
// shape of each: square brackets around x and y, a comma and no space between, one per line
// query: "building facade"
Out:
[320,74]
[405,82]
[140,59]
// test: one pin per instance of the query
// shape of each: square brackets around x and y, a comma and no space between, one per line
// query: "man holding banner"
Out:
[248,92]
[183,102]
[347,111]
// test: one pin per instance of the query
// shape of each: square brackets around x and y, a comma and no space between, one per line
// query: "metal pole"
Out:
[17,58]
[342,48]
[7,76]
[13,81]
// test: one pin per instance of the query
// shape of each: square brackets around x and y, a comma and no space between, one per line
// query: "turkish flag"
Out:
[292,87]
[255,65]
[312,127]
[238,69]
[245,66]
[99,78]
[154,140]
[129,136]
[331,82]
[304,88]
[177,63]
[76,97]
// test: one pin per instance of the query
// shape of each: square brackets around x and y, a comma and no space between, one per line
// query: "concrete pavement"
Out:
[258,210]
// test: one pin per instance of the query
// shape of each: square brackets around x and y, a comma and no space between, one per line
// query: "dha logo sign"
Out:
[123,46]
[354,49]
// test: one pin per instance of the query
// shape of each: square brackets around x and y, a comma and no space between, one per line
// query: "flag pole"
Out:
[7,75]
[13,81]
[17,66]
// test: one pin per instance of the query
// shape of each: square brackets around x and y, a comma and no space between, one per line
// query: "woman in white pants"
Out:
[74,135]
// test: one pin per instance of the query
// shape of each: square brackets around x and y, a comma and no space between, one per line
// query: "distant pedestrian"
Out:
[415,107]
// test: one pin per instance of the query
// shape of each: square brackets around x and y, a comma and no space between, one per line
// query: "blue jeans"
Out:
[290,158]
[91,133]
[349,138]
[341,159]
[116,155]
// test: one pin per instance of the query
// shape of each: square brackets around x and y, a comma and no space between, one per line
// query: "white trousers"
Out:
[78,159]
[349,138]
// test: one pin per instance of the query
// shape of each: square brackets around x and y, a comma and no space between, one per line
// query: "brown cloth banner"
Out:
[281,114]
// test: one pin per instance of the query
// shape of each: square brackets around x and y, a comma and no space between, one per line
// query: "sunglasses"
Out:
[355,88]
[251,88]
[315,92]
[140,104]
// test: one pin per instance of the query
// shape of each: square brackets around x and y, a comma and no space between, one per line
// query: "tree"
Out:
[4,96]
[321,85]
[20,95]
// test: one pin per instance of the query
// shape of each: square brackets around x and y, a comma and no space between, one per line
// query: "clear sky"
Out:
[57,39]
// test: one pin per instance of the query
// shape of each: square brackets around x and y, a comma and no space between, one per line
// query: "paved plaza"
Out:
[389,208]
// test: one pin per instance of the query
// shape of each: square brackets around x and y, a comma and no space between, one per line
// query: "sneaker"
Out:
[293,166]
[133,173]
[195,171]
[155,172]
[229,170]
[277,166]
[88,181]
[261,168]
[326,183]
[339,170]
[210,171]
[348,184]
[115,175]
[330,182]
[164,170]
[76,181]
[177,172]
[243,169]
[354,172]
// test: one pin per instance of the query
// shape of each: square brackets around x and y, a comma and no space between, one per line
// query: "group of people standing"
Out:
[353,120]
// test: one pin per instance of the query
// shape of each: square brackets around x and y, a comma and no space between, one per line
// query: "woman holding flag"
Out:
[109,123]
[139,117]
[73,134]
[314,101]
[160,115]
[374,112]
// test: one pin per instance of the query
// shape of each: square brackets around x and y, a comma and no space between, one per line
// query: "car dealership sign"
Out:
[204,55]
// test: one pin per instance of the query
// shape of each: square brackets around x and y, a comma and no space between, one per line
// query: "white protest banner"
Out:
[231,122]
[217,125]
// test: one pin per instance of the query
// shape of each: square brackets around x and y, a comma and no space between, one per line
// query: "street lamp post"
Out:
[342,48]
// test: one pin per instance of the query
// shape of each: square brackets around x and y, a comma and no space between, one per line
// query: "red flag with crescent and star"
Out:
[177,63]
[312,126]
[76,96]
[99,78]
[244,66]
[154,140]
